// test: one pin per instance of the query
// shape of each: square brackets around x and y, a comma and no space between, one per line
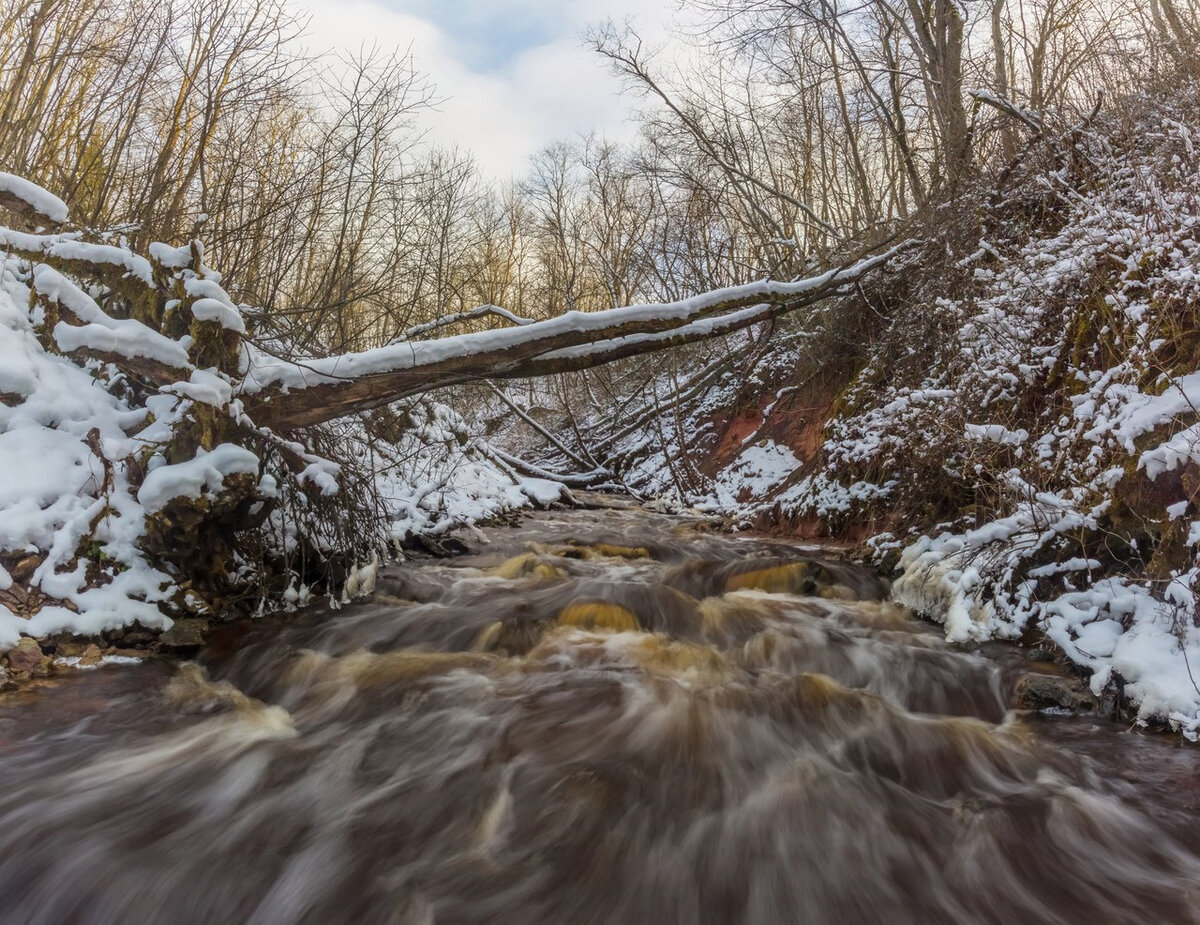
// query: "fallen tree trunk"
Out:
[288,395]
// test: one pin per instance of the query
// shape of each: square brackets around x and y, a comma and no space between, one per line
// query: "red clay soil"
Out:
[796,421]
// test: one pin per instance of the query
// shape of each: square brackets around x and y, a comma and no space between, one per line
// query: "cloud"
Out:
[513,73]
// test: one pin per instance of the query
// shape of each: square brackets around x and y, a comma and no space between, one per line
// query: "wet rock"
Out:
[837,592]
[26,658]
[438,547]
[1045,692]
[777,575]
[452,546]
[526,565]
[599,615]
[130,636]
[70,648]
[90,656]
[128,653]
[191,691]
[185,633]
[614,551]
[793,578]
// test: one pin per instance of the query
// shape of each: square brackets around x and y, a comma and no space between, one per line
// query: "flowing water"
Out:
[599,717]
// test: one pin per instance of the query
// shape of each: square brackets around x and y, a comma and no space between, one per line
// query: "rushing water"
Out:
[629,732]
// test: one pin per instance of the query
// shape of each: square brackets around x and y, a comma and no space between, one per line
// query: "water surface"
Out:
[600,717]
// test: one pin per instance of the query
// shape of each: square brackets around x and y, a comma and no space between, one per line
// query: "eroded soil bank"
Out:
[599,716]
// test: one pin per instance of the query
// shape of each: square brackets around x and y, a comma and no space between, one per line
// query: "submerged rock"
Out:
[599,615]
[526,565]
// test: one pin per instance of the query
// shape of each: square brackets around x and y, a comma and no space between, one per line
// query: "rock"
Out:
[26,658]
[90,656]
[440,548]
[526,565]
[127,653]
[70,648]
[129,636]
[1043,691]
[452,546]
[614,551]
[790,578]
[24,569]
[185,633]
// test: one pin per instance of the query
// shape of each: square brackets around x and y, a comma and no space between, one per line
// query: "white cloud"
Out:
[507,105]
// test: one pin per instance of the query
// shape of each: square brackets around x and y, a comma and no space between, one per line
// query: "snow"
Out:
[68,247]
[73,661]
[541,491]
[52,495]
[38,199]
[759,468]
[201,475]
[439,475]
[360,581]
[212,304]
[125,337]
[1126,420]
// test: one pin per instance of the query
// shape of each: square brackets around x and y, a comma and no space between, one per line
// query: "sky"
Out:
[513,75]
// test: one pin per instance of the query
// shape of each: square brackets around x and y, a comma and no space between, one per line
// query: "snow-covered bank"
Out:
[1060,415]
[118,442]
[1068,403]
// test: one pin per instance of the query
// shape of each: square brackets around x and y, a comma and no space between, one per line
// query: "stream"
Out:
[602,716]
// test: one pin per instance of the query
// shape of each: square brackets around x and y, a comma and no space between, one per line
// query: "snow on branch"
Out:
[70,254]
[480,311]
[1008,107]
[81,325]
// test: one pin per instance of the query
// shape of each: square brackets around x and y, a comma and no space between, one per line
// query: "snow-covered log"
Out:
[34,204]
[286,394]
